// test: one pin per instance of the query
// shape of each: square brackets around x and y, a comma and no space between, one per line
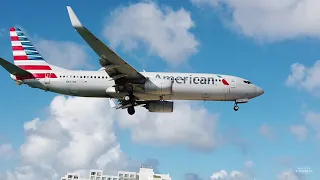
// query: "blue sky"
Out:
[226,40]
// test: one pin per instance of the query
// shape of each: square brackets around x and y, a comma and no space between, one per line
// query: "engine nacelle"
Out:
[158,86]
[160,106]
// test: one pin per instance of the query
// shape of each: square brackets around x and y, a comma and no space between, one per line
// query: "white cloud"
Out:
[241,175]
[272,19]
[31,173]
[45,146]
[311,125]
[63,53]
[300,131]
[163,31]
[288,175]
[189,124]
[267,131]
[306,78]
[233,175]
[6,151]
[77,135]
[245,174]
[219,175]
[313,119]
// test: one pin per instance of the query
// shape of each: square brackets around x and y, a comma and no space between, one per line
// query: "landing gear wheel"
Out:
[236,108]
[131,110]
[129,97]
[126,98]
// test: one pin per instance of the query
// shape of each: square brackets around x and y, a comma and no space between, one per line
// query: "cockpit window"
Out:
[247,82]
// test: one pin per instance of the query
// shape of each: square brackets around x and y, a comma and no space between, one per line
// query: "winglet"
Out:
[73,18]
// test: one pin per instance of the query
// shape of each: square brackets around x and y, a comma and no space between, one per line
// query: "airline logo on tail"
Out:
[26,56]
[22,48]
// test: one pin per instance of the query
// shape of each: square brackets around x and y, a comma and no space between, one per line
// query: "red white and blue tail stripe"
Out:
[23,49]
[27,57]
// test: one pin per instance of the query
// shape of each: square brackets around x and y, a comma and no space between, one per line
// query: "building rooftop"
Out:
[145,173]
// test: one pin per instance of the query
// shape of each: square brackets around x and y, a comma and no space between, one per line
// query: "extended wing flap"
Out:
[112,103]
[13,69]
[108,56]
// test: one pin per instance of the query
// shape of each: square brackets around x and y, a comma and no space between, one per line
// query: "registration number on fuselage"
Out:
[71,82]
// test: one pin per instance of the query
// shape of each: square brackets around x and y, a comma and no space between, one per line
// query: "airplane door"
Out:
[231,89]
[233,83]
[47,78]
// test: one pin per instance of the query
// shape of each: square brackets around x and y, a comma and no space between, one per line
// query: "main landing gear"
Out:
[131,110]
[131,100]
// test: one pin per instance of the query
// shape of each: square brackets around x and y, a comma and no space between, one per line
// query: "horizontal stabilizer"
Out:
[13,69]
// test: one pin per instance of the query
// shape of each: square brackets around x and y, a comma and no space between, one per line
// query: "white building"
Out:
[144,173]
[71,176]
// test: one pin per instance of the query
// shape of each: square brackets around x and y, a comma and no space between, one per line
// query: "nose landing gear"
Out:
[235,107]
[239,101]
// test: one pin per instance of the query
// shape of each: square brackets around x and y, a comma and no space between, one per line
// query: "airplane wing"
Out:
[13,69]
[114,65]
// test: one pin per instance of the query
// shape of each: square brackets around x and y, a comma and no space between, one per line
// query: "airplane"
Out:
[125,87]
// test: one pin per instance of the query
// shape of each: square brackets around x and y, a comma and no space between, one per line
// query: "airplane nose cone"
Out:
[259,91]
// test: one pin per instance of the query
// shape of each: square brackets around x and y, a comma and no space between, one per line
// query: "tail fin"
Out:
[25,55]
[22,48]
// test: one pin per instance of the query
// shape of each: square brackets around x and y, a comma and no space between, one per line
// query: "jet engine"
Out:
[160,106]
[158,86]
